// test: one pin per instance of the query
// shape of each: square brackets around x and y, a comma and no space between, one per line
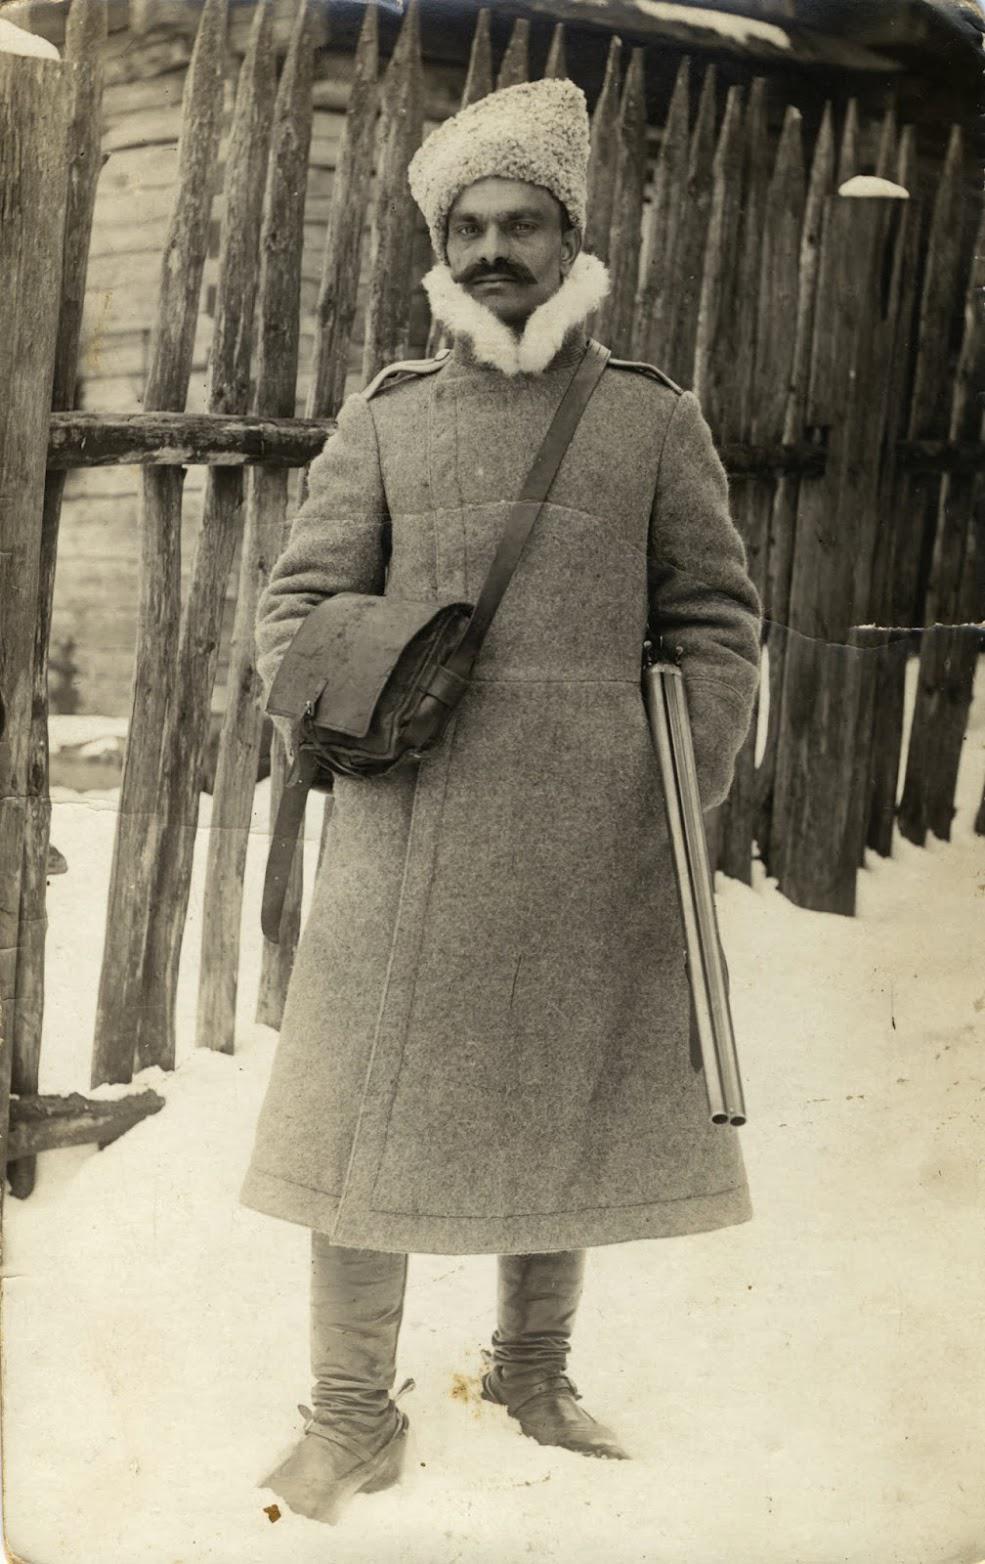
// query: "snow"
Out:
[801,1389]
[873,185]
[14,40]
[88,734]
[742,29]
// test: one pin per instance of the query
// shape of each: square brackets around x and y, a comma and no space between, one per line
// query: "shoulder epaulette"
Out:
[404,369]
[642,368]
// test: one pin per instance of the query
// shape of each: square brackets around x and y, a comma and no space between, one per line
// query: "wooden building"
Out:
[921,55]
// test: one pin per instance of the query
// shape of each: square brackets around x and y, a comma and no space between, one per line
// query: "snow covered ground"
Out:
[804,1389]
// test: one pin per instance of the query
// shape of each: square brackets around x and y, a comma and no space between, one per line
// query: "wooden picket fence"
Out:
[813,325]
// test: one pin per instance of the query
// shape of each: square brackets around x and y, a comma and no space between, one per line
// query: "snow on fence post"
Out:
[626,236]
[401,124]
[764,357]
[514,67]
[155,663]
[83,77]
[951,645]
[279,317]
[187,724]
[33,193]
[663,228]
[783,517]
[242,726]
[891,643]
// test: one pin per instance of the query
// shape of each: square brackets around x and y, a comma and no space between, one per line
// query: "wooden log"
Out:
[689,246]
[401,123]
[82,72]
[338,292]
[514,67]
[763,356]
[182,439]
[240,738]
[625,237]
[930,402]
[889,644]
[603,153]
[663,228]
[874,458]
[33,193]
[950,647]
[172,344]
[276,390]
[556,65]
[714,363]
[756,173]
[188,717]
[822,687]
[716,324]
[108,441]
[45,1123]
[783,518]
[479,78]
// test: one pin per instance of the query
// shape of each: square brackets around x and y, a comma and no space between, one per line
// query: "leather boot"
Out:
[538,1298]
[355,1438]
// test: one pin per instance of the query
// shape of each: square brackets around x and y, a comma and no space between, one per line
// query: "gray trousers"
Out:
[357,1303]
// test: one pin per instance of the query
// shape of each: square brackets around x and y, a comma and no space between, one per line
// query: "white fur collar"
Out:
[544,331]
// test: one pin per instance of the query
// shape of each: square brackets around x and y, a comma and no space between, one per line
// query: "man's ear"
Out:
[570,248]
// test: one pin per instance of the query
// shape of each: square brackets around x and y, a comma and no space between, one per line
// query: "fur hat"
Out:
[537,131]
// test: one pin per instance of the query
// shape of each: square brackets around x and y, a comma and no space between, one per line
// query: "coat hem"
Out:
[399,1233]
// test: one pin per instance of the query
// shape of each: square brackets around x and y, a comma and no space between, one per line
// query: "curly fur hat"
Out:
[537,131]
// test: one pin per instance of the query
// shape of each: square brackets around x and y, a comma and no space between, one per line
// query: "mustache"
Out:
[497,269]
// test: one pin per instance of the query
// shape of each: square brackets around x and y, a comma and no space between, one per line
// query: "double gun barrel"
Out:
[666,706]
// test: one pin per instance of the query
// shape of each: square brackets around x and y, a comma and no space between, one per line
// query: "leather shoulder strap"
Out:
[637,366]
[527,507]
[405,369]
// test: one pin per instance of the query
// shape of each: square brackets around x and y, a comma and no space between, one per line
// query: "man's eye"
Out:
[522,225]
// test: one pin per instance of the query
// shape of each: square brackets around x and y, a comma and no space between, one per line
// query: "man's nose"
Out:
[494,246]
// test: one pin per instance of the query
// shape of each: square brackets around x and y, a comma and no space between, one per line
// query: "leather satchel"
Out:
[370,682]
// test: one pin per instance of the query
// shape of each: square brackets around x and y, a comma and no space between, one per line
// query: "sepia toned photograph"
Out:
[492,781]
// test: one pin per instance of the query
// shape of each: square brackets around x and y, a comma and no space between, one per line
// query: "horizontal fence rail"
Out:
[231,440]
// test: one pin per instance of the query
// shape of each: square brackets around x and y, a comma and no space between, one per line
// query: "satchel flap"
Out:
[342,655]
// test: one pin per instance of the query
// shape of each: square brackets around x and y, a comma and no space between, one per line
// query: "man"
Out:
[487,1044]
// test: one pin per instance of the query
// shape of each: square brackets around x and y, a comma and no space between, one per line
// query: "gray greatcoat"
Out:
[486,1043]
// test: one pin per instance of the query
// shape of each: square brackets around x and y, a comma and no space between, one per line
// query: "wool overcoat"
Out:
[487,1043]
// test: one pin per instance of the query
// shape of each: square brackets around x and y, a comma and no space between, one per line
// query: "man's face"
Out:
[507,245]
